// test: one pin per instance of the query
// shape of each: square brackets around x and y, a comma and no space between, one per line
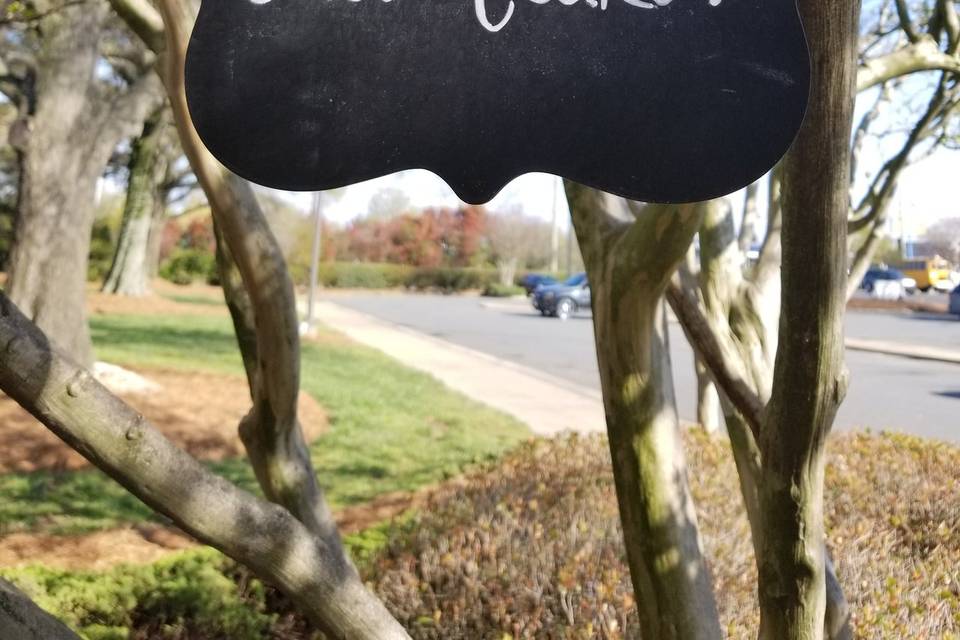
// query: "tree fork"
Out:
[630,252]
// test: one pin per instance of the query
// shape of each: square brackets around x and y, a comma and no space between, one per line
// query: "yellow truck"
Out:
[929,273]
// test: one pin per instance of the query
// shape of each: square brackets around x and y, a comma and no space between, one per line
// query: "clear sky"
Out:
[927,193]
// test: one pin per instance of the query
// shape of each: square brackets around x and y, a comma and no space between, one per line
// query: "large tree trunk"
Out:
[629,262]
[809,378]
[129,273]
[68,134]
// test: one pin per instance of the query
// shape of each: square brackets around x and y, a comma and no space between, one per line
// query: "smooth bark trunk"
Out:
[129,273]
[629,262]
[809,378]
[708,400]
[21,619]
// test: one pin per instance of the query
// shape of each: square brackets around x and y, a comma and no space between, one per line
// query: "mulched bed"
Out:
[532,548]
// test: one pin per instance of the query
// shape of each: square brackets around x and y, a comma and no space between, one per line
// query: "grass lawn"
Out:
[391,428]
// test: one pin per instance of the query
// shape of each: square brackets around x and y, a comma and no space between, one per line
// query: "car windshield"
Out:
[576,280]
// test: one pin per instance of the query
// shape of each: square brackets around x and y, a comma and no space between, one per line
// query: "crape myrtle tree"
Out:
[290,541]
[80,87]
[731,313]
[631,252]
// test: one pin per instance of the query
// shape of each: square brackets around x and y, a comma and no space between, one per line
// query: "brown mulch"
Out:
[197,411]
[159,302]
[148,542]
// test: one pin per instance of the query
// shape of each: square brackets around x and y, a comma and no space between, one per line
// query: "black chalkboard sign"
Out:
[656,100]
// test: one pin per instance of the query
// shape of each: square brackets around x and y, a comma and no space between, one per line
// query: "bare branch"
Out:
[709,345]
[20,618]
[923,55]
[906,23]
[118,440]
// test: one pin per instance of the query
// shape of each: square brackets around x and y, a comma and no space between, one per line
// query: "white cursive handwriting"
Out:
[480,6]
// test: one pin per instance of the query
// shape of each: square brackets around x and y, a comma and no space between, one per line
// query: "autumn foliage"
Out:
[435,237]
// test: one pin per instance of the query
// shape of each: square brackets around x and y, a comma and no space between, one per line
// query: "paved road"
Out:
[887,392]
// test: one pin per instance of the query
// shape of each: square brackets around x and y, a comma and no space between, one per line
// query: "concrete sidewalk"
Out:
[903,349]
[548,405]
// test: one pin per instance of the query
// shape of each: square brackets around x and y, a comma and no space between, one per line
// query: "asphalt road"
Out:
[886,392]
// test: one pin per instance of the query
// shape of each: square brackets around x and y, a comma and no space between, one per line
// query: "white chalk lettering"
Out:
[483,17]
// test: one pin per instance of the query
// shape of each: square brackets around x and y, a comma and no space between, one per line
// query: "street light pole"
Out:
[314,260]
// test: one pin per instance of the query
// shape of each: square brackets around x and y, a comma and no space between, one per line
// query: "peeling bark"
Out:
[630,254]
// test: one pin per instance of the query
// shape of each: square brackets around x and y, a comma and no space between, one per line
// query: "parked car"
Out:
[564,299]
[955,301]
[883,281]
[532,281]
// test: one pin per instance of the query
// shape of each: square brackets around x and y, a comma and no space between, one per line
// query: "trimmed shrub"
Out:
[497,290]
[190,595]
[370,275]
[186,266]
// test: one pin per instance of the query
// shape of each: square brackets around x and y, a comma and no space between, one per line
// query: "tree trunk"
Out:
[629,264]
[739,314]
[129,273]
[158,222]
[809,378]
[708,400]
[507,271]
[70,132]
[264,312]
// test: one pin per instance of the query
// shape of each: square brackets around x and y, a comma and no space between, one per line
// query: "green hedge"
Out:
[497,290]
[363,275]
[186,595]
[184,266]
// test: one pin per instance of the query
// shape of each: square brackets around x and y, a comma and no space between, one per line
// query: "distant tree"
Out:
[516,240]
[148,169]
[387,203]
[944,238]
[80,87]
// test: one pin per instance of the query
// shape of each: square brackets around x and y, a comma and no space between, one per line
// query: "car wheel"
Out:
[868,287]
[924,289]
[565,309]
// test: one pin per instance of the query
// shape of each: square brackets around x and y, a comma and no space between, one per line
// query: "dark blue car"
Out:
[563,300]
[879,274]
[532,281]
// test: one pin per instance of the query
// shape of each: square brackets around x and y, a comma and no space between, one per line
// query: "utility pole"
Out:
[314,262]
[555,235]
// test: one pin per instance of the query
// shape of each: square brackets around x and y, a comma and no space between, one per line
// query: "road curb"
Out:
[914,352]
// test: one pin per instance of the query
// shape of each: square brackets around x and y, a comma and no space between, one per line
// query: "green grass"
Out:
[391,428]
[196,299]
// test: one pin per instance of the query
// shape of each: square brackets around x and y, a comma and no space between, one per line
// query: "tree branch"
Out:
[710,346]
[923,55]
[21,619]
[118,440]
